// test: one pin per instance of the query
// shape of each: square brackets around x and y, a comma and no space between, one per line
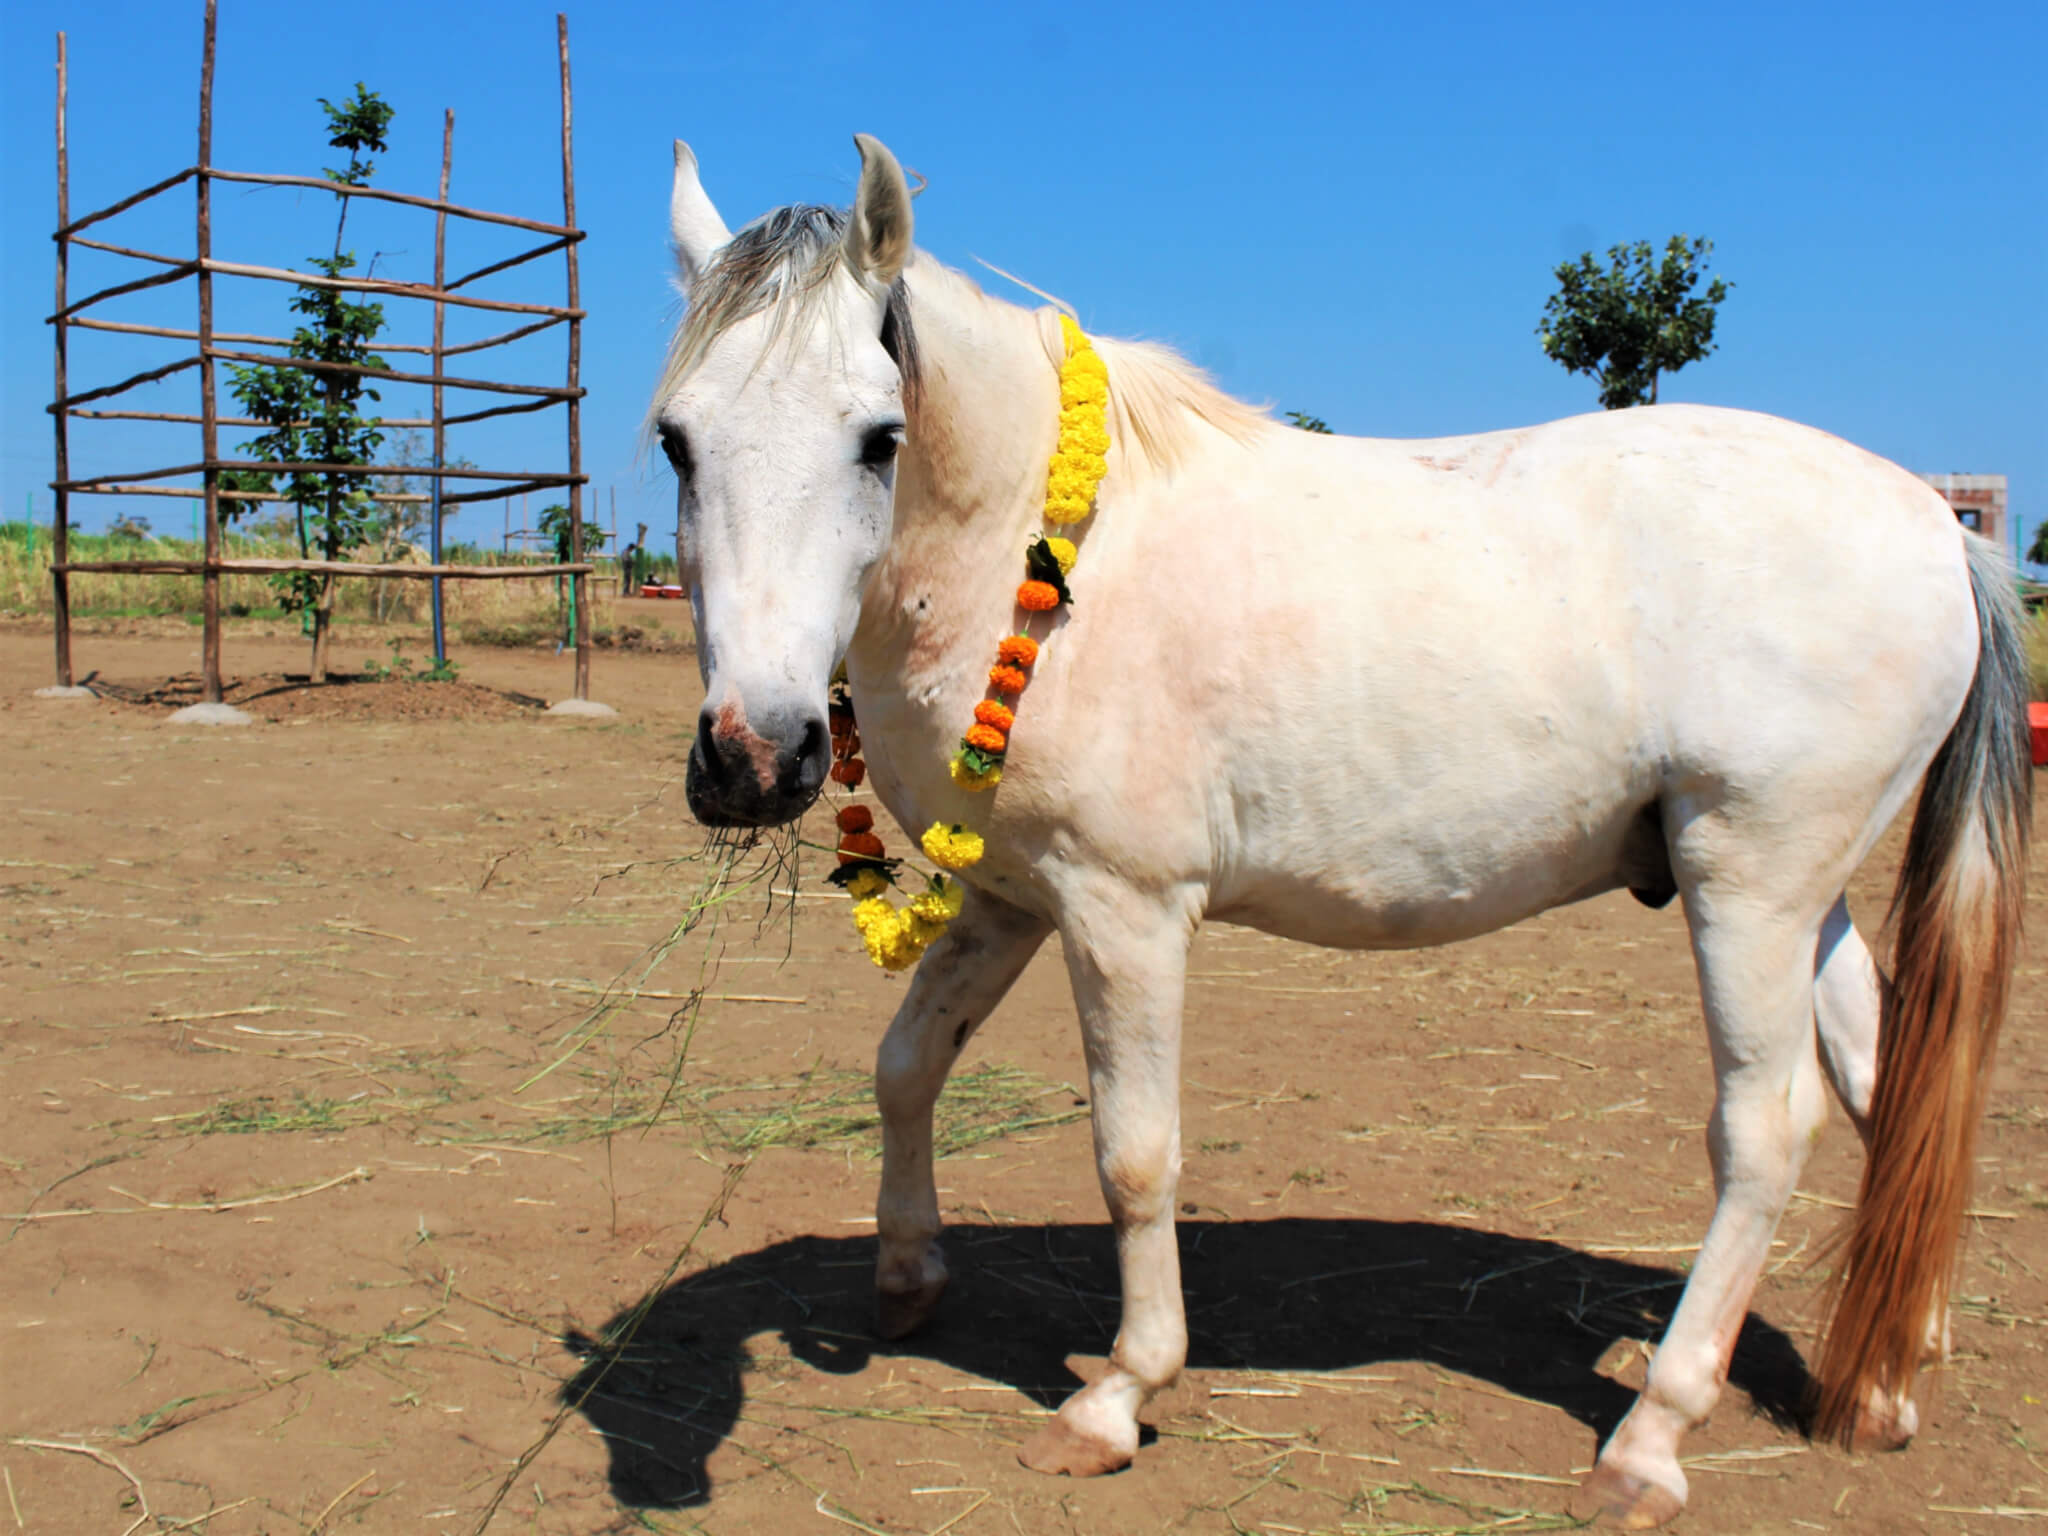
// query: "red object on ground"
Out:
[651,589]
[2037,727]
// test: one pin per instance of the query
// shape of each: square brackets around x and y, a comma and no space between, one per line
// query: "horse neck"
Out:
[970,483]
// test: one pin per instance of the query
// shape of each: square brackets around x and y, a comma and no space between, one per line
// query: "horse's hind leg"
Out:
[1847,1002]
[956,986]
[1755,960]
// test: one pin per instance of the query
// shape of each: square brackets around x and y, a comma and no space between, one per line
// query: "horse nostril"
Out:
[806,772]
[710,763]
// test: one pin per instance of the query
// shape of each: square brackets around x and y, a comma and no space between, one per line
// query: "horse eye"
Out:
[878,448]
[677,447]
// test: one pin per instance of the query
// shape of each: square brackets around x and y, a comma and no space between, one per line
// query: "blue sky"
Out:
[1349,209]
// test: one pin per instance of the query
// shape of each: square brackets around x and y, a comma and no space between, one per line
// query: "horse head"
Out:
[781,409]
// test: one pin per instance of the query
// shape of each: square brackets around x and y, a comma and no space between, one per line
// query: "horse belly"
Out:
[1424,881]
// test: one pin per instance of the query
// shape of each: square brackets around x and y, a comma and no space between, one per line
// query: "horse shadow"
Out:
[1295,1294]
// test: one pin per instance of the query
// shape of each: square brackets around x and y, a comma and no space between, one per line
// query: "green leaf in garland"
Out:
[1040,564]
[978,762]
[886,868]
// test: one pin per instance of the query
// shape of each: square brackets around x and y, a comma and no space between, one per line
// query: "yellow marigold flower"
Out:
[892,939]
[863,884]
[1063,551]
[952,847]
[920,930]
[967,778]
[884,944]
[940,904]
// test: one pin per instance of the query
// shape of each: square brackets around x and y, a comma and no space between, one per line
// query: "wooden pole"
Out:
[440,419]
[578,583]
[209,426]
[382,195]
[256,566]
[60,529]
[66,230]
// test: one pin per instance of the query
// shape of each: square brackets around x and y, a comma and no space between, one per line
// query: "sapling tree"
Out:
[1634,318]
[315,413]
[555,525]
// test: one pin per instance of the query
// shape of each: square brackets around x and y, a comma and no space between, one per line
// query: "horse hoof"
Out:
[1612,1497]
[1886,1426]
[898,1314]
[1061,1450]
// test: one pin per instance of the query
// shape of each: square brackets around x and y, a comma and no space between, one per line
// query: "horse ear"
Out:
[878,234]
[693,223]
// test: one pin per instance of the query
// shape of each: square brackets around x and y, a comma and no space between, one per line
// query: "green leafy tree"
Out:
[1308,423]
[314,410]
[1634,318]
[554,525]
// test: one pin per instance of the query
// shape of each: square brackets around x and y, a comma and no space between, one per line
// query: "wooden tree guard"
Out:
[562,238]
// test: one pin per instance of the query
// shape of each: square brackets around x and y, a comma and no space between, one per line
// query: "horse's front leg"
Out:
[957,985]
[1128,961]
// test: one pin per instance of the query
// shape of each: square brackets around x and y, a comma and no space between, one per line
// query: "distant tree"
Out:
[554,525]
[1308,423]
[313,412]
[1634,318]
[2037,552]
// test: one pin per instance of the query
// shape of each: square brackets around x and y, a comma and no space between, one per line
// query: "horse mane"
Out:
[784,261]
[1159,401]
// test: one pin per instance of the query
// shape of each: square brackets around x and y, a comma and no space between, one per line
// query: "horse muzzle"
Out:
[741,777]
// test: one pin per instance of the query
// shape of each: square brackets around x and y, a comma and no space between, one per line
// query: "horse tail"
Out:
[1958,908]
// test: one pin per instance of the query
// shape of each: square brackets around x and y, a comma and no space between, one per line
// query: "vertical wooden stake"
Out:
[209,424]
[579,588]
[440,337]
[60,529]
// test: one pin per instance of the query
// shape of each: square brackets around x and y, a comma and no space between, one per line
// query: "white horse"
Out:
[1371,694]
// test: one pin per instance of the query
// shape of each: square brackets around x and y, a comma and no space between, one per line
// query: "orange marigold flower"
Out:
[1038,596]
[854,818]
[859,845]
[1007,679]
[840,718]
[989,712]
[1017,650]
[849,771]
[846,746]
[986,737]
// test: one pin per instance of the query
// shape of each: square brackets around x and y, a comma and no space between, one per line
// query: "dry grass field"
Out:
[364,1072]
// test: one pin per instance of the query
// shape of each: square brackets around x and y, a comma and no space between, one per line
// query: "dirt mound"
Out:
[281,696]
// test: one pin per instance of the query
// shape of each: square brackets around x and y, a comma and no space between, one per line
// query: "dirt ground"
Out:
[320,1180]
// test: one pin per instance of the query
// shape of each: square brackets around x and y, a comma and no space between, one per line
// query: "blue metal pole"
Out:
[434,554]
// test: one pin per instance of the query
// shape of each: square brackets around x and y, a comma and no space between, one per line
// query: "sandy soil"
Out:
[320,1182]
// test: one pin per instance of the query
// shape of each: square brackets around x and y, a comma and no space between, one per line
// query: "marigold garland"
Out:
[895,937]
